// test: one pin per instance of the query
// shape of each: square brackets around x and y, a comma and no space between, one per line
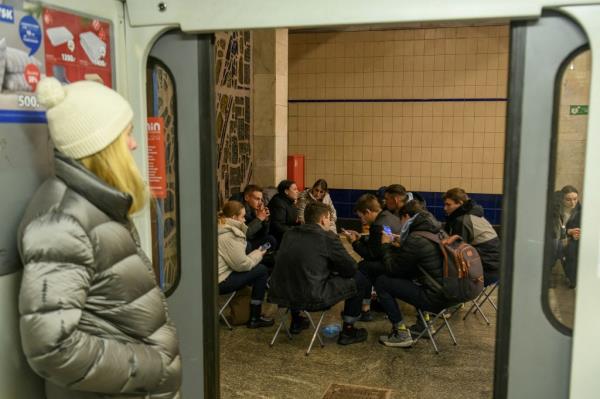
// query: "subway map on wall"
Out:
[233,77]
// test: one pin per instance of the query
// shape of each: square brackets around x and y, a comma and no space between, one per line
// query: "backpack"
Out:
[463,270]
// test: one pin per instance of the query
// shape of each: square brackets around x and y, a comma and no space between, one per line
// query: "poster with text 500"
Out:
[77,48]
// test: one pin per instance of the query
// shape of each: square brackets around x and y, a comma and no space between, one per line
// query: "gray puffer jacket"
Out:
[94,324]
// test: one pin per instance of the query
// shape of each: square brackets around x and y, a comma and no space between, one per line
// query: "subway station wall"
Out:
[423,107]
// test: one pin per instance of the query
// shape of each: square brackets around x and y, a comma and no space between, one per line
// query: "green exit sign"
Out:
[578,110]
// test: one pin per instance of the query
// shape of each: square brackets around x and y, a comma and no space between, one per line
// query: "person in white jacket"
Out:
[236,269]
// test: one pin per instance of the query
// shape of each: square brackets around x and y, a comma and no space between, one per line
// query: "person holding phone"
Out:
[238,269]
[369,247]
[370,213]
[568,218]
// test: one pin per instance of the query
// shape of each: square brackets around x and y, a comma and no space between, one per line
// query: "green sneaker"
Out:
[400,338]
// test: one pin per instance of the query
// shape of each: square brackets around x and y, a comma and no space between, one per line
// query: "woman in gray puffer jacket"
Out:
[93,322]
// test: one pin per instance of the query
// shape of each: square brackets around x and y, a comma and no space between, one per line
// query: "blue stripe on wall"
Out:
[344,200]
[396,100]
[17,116]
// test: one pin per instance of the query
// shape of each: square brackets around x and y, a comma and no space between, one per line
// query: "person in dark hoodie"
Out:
[411,261]
[284,214]
[314,271]
[465,218]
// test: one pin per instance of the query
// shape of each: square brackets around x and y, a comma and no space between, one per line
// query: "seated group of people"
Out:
[311,270]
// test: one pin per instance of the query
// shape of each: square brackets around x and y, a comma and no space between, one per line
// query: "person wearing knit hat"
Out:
[93,321]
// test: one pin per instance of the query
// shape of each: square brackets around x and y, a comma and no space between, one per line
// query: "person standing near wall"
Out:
[93,321]
[567,222]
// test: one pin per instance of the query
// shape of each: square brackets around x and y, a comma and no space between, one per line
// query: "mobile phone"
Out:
[387,230]
[265,246]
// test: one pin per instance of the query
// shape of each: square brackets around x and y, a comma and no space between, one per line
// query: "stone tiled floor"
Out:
[250,369]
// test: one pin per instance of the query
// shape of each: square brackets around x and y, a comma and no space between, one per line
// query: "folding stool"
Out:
[441,315]
[222,309]
[282,323]
[481,299]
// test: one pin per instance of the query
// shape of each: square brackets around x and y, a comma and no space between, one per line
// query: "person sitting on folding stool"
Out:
[465,218]
[313,272]
[236,269]
[410,261]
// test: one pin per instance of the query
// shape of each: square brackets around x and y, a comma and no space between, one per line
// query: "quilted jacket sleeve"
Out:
[58,260]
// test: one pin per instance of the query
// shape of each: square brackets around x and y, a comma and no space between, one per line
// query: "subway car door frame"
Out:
[536,362]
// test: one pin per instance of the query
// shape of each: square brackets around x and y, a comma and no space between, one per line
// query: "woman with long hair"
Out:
[236,269]
[567,230]
[94,323]
[318,193]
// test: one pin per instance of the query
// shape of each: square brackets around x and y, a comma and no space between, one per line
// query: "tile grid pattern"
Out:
[428,146]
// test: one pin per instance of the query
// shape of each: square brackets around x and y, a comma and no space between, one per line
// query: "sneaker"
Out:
[299,324]
[352,336]
[399,338]
[416,329]
[260,322]
[365,316]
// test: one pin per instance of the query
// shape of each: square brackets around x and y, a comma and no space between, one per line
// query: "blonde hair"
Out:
[230,209]
[115,165]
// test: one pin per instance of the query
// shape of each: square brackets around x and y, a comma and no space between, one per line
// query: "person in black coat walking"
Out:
[313,271]
[465,218]
[411,263]
[284,214]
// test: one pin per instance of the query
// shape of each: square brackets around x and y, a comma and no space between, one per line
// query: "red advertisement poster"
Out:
[157,172]
[77,47]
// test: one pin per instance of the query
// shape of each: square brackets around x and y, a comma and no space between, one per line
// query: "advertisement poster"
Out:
[36,41]
[77,48]
[157,171]
[21,62]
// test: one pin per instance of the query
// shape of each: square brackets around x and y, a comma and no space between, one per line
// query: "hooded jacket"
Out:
[468,222]
[94,324]
[232,249]
[417,252]
[313,270]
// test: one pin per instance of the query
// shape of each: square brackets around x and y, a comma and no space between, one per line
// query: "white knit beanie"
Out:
[83,117]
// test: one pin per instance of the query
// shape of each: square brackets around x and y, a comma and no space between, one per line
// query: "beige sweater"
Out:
[232,249]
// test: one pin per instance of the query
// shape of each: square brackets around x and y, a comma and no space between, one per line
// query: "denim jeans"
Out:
[257,278]
[353,305]
[390,288]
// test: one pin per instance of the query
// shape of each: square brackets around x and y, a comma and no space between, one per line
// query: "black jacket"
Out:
[469,223]
[313,270]
[257,229]
[572,245]
[369,247]
[284,215]
[417,252]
